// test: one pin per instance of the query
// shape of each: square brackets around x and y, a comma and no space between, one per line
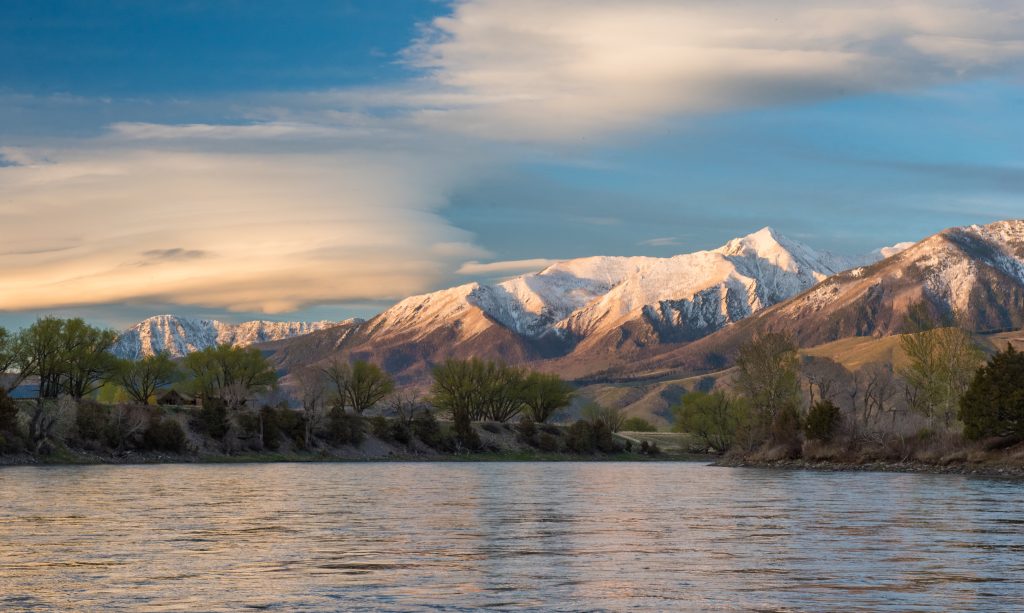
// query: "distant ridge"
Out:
[179,336]
[581,315]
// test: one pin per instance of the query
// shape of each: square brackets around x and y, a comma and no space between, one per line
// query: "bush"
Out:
[8,412]
[380,427]
[585,437]
[282,424]
[425,427]
[165,434]
[638,424]
[92,421]
[212,418]
[822,421]
[994,402]
[466,438]
[786,426]
[399,432]
[716,418]
[526,429]
[546,442]
[344,428]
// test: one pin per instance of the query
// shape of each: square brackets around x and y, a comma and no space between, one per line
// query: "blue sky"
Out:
[324,159]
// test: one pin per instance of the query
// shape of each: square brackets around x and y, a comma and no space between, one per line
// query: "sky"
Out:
[323,159]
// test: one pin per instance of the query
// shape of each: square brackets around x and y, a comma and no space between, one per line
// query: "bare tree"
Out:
[312,384]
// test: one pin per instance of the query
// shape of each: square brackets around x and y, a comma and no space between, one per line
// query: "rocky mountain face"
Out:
[178,336]
[585,313]
[972,275]
[624,318]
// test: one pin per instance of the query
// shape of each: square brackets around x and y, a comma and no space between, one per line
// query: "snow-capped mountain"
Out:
[179,336]
[973,275]
[594,305]
[691,294]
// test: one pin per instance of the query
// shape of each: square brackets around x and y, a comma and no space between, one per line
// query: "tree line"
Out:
[780,404]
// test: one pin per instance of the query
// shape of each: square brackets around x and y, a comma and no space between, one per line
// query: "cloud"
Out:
[665,241]
[254,222]
[156,256]
[506,267]
[542,71]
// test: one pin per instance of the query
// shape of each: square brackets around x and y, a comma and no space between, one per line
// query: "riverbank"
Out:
[987,469]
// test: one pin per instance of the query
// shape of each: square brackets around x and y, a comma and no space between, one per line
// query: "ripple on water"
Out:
[558,536]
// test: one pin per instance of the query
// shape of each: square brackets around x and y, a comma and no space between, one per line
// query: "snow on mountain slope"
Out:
[697,293]
[179,336]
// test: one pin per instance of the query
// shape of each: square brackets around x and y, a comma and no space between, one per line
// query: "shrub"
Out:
[380,427]
[550,429]
[822,421]
[547,442]
[786,426]
[994,402]
[465,436]
[638,424]
[612,417]
[425,427]
[212,418]
[164,434]
[526,429]
[399,432]
[282,424]
[344,428]
[716,418]
[92,421]
[8,412]
[587,437]
[580,437]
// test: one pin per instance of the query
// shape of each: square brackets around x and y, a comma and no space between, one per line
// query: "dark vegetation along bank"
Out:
[947,408]
[225,403]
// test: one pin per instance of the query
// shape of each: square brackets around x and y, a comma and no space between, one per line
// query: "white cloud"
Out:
[543,71]
[253,224]
[507,267]
[336,196]
[664,241]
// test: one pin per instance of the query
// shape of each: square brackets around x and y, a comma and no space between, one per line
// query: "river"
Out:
[541,536]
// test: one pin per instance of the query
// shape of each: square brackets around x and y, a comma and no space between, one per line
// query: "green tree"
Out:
[142,379]
[503,390]
[87,360]
[716,418]
[457,389]
[941,365]
[359,385]
[367,385]
[15,366]
[544,394]
[42,346]
[769,377]
[232,374]
[994,402]
[822,421]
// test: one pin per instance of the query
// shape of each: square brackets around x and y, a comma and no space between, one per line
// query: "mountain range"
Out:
[610,318]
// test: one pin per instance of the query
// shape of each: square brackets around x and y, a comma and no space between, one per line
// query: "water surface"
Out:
[544,536]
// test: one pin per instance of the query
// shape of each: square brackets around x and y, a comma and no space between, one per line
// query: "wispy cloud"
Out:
[536,70]
[504,268]
[309,198]
[664,241]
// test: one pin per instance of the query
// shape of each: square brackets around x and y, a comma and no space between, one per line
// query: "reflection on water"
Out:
[563,536]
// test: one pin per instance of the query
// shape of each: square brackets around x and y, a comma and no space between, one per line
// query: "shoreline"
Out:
[72,458]
[1011,471]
